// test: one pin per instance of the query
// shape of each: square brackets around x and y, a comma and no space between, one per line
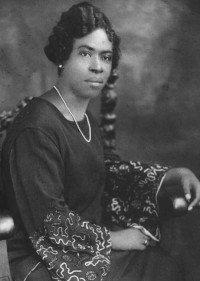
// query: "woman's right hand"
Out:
[129,239]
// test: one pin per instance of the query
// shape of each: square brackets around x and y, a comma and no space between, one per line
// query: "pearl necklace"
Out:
[77,125]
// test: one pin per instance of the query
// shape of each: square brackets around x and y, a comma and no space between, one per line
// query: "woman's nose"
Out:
[96,65]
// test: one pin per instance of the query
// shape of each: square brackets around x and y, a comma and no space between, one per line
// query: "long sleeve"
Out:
[70,246]
[130,197]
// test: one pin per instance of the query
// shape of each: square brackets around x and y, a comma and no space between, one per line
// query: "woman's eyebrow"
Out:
[93,49]
[86,47]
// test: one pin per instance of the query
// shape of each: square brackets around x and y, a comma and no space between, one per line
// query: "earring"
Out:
[60,69]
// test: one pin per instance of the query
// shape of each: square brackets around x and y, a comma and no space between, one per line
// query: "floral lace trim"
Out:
[71,248]
[130,198]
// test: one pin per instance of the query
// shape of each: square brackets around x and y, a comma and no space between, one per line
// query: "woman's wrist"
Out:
[129,239]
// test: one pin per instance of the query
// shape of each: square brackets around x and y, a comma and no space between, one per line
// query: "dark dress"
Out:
[55,182]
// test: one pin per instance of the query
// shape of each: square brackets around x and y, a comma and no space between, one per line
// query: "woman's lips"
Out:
[95,82]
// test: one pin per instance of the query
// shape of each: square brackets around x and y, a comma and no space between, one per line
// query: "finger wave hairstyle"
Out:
[80,20]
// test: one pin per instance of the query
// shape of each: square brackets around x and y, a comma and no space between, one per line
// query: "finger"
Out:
[146,243]
[193,204]
[187,190]
[188,196]
[143,243]
[196,189]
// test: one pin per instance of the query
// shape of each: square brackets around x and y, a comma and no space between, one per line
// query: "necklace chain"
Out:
[77,125]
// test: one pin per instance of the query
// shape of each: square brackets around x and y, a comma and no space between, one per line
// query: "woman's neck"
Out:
[76,105]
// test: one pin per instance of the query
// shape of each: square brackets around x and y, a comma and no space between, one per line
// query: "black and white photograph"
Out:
[99,140]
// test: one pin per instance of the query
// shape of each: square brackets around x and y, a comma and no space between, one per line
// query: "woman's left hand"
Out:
[189,183]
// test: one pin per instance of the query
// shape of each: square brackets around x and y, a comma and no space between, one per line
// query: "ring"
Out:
[146,242]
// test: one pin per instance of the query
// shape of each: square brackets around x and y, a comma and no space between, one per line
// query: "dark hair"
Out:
[80,20]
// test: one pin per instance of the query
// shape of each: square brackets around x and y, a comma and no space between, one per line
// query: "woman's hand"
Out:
[129,239]
[189,183]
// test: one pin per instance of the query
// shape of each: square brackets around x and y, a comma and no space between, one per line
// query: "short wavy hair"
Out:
[80,20]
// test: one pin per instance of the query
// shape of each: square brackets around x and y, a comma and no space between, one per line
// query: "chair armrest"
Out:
[6,225]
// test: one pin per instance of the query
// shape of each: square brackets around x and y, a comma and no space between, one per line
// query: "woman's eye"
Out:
[85,54]
[107,58]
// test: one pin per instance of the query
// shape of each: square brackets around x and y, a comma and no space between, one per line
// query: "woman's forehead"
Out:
[97,40]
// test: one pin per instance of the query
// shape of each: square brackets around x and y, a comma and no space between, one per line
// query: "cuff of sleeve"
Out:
[155,237]
[159,187]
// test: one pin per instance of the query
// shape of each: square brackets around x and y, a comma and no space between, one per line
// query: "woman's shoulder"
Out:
[37,113]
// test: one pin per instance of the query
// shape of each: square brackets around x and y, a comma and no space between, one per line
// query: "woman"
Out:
[53,172]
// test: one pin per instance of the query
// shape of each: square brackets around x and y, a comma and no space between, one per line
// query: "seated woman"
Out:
[55,175]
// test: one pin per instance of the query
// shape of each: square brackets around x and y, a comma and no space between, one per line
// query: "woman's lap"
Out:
[179,236]
[152,264]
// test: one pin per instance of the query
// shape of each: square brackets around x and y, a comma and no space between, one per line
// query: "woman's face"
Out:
[89,65]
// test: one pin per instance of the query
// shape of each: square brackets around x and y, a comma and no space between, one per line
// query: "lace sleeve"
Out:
[71,248]
[130,197]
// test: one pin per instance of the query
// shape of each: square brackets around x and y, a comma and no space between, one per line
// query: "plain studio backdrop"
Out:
[158,108]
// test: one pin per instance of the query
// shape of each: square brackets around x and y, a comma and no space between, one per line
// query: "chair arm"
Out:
[6,225]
